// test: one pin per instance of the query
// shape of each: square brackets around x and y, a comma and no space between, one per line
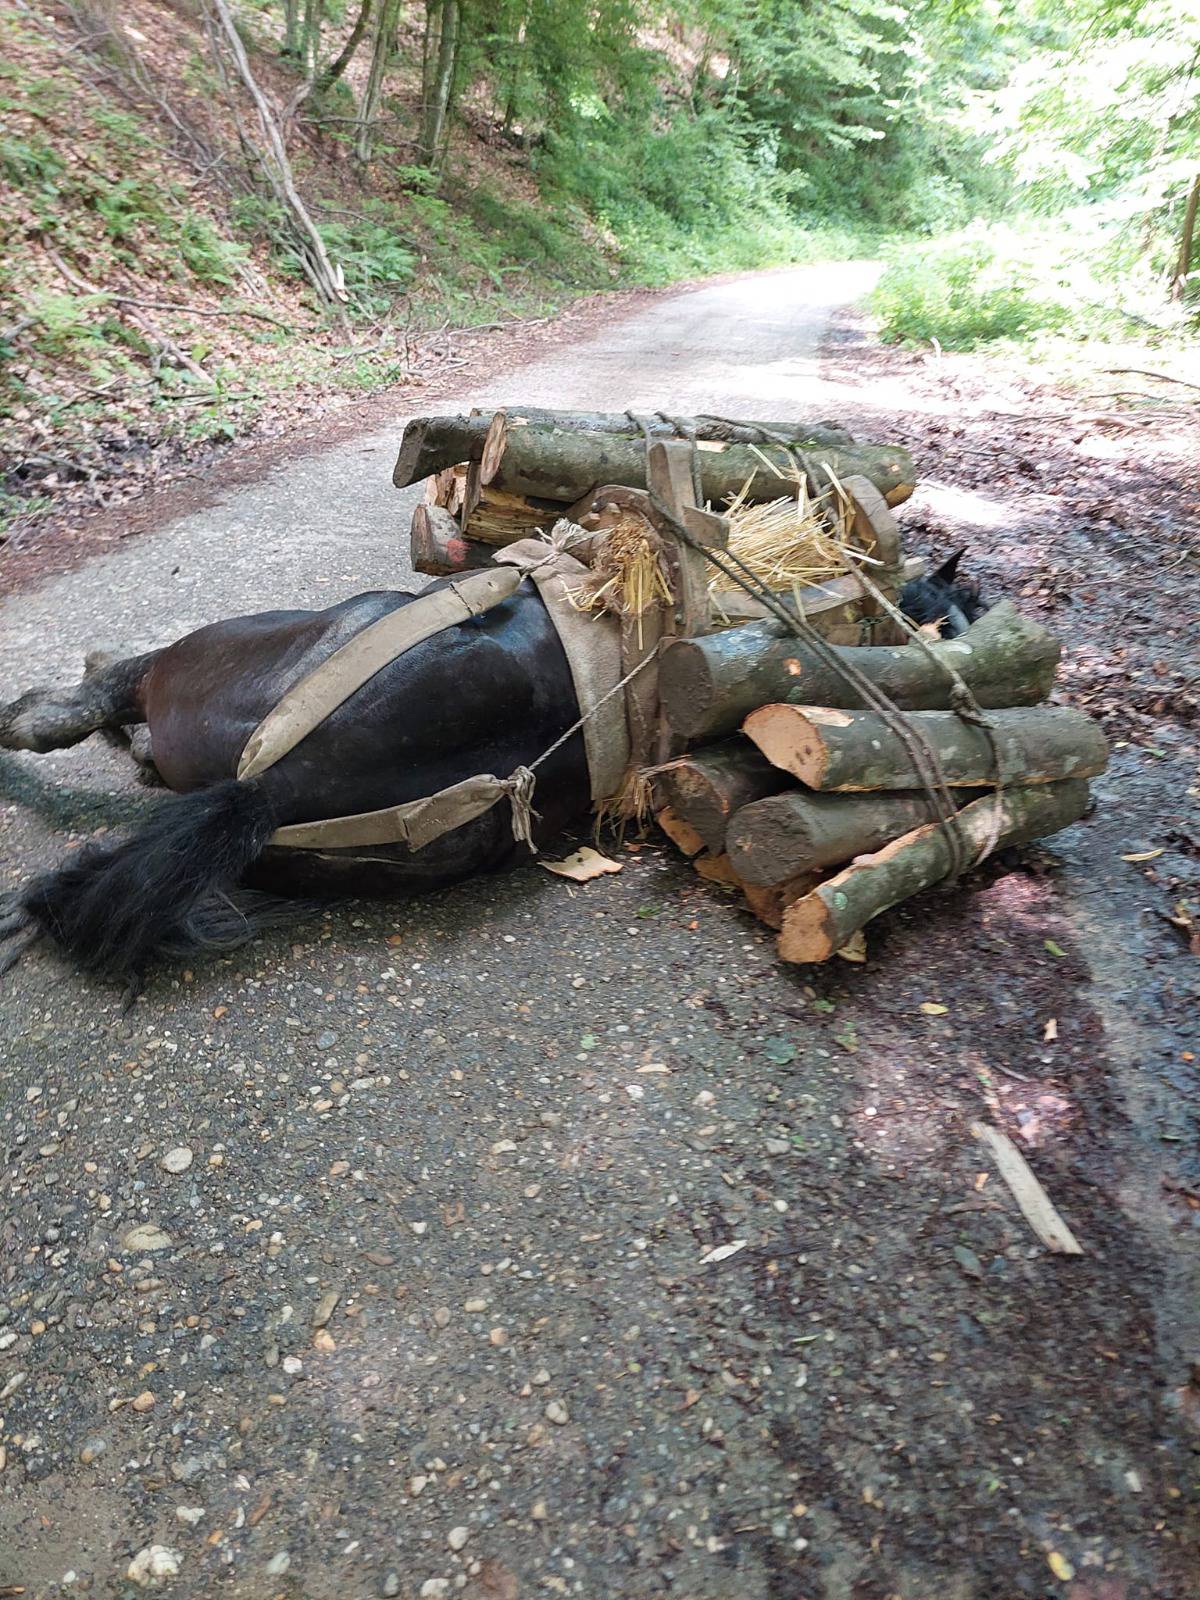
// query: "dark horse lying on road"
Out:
[487,695]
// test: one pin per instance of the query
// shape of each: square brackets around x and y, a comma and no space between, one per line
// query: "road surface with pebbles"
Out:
[535,1240]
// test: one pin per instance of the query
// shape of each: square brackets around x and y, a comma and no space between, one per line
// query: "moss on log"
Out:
[819,924]
[710,685]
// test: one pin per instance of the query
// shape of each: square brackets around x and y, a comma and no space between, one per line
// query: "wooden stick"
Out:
[1036,1206]
[708,786]
[437,547]
[857,750]
[709,686]
[817,926]
[797,832]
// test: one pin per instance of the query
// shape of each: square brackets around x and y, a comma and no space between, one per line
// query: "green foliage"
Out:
[962,294]
[30,164]
[377,263]
[1075,279]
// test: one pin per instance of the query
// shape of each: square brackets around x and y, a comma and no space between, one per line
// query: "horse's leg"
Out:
[50,719]
[133,738]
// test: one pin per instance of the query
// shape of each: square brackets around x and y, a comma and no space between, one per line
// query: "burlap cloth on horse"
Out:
[593,651]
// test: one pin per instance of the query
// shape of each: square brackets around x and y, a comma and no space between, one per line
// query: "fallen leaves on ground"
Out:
[583,866]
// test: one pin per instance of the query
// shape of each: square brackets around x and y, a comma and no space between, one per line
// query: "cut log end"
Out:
[790,738]
[817,926]
[681,834]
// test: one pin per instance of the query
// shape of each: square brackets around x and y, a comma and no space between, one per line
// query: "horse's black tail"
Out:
[170,889]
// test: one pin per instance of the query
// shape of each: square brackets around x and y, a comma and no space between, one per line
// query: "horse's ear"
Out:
[948,570]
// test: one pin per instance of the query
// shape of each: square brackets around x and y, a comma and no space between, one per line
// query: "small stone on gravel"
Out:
[146,1236]
[557,1412]
[154,1565]
[457,1537]
[177,1160]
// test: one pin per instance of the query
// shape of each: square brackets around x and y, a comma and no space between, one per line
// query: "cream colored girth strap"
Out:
[320,692]
[591,642]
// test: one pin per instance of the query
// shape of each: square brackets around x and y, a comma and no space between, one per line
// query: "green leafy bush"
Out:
[964,293]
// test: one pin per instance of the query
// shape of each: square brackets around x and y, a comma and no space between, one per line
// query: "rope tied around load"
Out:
[917,745]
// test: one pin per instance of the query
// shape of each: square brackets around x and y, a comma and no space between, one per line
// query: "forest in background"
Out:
[210,206]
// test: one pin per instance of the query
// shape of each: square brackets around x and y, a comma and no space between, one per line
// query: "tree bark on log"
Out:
[437,547]
[710,685]
[820,923]
[433,443]
[798,832]
[560,464]
[707,787]
[852,751]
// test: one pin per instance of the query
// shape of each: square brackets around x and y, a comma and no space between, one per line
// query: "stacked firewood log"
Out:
[494,478]
[770,771]
[812,806]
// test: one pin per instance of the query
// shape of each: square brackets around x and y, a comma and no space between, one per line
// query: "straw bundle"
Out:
[628,574]
[787,543]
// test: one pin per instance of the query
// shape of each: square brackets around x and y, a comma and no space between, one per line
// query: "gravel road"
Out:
[533,1240]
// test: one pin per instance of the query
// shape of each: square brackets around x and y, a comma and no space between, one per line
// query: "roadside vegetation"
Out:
[220,214]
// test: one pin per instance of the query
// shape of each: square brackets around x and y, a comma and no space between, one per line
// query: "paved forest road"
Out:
[427,1311]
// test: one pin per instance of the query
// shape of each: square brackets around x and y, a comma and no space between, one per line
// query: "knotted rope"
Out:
[918,747]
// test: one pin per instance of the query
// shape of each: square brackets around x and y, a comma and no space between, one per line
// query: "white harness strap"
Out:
[320,692]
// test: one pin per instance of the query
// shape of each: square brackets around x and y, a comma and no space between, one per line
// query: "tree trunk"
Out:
[381,55]
[291,17]
[857,750]
[437,547]
[348,51]
[820,924]
[709,686]
[438,90]
[797,832]
[708,786]
[310,39]
[563,464]
[432,443]
[1186,240]
[314,258]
